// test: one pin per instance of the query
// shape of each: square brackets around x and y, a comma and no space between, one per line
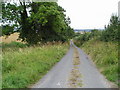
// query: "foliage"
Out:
[10,18]
[82,38]
[109,34]
[111,31]
[26,65]
[102,46]
[105,55]
[7,30]
[13,45]
[37,21]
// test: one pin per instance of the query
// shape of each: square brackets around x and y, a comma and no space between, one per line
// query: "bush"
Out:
[111,31]
[82,38]
[13,45]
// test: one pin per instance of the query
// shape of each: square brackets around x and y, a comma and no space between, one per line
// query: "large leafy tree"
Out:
[10,18]
[38,21]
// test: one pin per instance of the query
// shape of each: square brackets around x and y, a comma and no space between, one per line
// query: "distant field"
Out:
[12,37]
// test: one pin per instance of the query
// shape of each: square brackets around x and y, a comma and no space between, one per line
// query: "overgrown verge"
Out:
[105,55]
[12,46]
[102,46]
[24,66]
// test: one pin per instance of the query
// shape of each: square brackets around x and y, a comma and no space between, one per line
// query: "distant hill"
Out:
[86,30]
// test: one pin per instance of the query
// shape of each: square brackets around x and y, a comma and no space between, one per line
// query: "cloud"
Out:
[89,13]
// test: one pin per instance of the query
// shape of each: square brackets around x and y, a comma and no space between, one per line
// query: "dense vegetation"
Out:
[43,22]
[26,65]
[44,30]
[102,46]
[37,22]
[111,33]
[105,55]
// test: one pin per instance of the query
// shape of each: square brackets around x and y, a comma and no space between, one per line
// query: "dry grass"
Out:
[8,39]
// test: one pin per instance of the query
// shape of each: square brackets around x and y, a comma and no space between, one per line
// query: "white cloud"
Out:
[89,13]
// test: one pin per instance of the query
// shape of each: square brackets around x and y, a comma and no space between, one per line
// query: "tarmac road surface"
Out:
[58,76]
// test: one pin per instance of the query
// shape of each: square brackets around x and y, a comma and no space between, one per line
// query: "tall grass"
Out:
[105,55]
[13,45]
[25,66]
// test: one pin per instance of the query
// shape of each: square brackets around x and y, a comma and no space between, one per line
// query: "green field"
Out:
[105,55]
[23,65]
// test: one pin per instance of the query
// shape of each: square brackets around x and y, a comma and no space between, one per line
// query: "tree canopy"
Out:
[111,30]
[36,21]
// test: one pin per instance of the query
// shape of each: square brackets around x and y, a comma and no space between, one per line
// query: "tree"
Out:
[10,18]
[111,31]
[39,21]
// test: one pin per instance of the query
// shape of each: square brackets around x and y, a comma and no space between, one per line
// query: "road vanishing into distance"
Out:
[75,70]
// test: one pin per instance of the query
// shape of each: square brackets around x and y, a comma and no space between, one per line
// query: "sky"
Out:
[89,14]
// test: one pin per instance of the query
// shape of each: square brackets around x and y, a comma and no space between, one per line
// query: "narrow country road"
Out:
[60,76]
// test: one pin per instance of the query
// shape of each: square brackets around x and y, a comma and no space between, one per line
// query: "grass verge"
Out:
[24,66]
[105,55]
[13,46]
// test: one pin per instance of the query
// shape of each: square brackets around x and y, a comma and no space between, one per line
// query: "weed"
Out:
[105,55]
[74,79]
[24,67]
